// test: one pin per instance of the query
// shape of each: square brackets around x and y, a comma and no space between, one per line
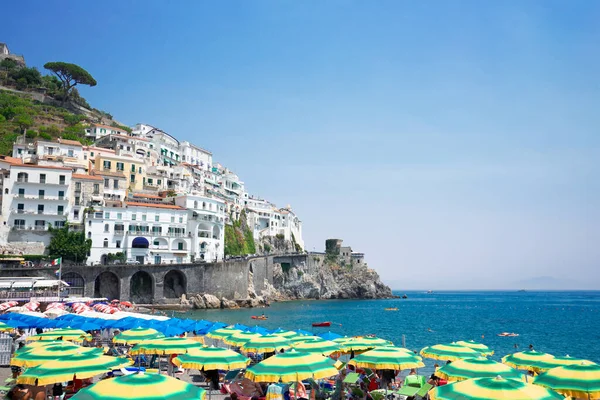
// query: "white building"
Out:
[146,232]
[206,224]
[96,131]
[195,155]
[67,153]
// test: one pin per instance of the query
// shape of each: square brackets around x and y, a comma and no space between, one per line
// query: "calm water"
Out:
[560,323]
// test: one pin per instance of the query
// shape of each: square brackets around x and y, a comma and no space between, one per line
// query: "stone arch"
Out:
[107,284]
[162,243]
[204,230]
[104,259]
[179,244]
[216,232]
[175,284]
[76,283]
[141,287]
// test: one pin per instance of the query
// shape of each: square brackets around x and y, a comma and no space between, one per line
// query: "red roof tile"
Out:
[151,205]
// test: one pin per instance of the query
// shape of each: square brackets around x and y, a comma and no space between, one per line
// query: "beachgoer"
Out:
[57,391]
[433,380]
[413,371]
[530,347]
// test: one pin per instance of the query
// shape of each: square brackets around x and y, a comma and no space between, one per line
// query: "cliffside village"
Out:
[143,193]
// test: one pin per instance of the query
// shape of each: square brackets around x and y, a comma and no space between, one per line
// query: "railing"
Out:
[119,232]
[22,180]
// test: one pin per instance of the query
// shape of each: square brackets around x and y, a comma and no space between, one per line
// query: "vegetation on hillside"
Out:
[239,239]
[70,75]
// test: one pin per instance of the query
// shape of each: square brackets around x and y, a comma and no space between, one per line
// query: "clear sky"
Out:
[455,142]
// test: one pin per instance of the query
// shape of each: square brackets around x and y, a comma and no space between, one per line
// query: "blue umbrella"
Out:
[259,329]
[241,327]
[329,335]
[171,330]
[89,326]
[303,332]
[17,324]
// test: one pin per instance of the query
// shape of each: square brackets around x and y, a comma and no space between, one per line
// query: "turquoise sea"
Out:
[560,323]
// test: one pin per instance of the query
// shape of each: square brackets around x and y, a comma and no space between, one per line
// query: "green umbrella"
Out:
[579,380]
[325,347]
[286,333]
[4,327]
[492,389]
[222,333]
[171,345]
[211,358]
[363,343]
[528,360]
[265,344]
[554,362]
[239,338]
[64,333]
[83,366]
[449,352]
[41,354]
[482,348]
[395,358]
[480,367]
[141,387]
[292,366]
[137,335]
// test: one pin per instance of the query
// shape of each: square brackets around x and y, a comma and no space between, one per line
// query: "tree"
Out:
[23,120]
[70,76]
[70,245]
[27,77]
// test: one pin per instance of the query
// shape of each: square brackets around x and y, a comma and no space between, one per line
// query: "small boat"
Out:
[326,323]
[404,296]
[391,309]
[507,334]
[261,317]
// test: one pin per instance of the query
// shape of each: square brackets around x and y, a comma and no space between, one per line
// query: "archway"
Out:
[108,285]
[141,288]
[76,283]
[140,243]
[175,284]
[216,232]
[104,259]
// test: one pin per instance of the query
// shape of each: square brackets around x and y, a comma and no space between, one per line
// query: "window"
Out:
[70,153]
[106,183]
[156,243]
[22,177]
[77,201]
[106,164]
[181,220]
[61,195]
[180,246]
[132,178]
[107,215]
[156,230]
[133,168]
[89,234]
[143,217]
[21,192]
[203,205]
[157,218]
[118,244]
[76,214]
[158,182]
[96,188]
[116,184]
[60,210]
[59,224]
[20,223]
[172,218]
[77,186]
[91,152]
[140,170]
[61,180]
[40,209]
[120,166]
[42,178]
[133,217]
[106,228]
[150,181]
[120,216]
[195,204]
[105,242]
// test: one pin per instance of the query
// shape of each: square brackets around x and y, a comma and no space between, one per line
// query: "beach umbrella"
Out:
[395,358]
[141,386]
[222,333]
[449,352]
[527,360]
[40,354]
[8,304]
[329,335]
[64,333]
[492,389]
[545,365]
[284,333]
[480,367]
[303,332]
[325,347]
[239,338]
[362,343]
[265,344]
[301,338]
[208,358]
[4,327]
[259,329]
[82,366]
[482,348]
[578,380]
[292,366]
[137,335]
[171,345]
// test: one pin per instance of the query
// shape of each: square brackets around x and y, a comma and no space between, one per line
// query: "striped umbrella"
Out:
[162,346]
[480,367]
[527,360]
[265,344]
[363,343]
[143,387]
[65,333]
[492,389]
[286,333]
[82,365]
[222,333]
[32,305]
[211,358]
[292,366]
[8,304]
[4,327]
[41,354]
[239,338]
[482,348]
[581,380]
[137,335]
[449,352]
[301,338]
[543,366]
[395,358]
[325,347]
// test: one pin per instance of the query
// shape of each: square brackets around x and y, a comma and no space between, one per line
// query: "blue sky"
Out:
[454,142]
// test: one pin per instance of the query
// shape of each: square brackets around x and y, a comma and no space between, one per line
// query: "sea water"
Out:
[560,323]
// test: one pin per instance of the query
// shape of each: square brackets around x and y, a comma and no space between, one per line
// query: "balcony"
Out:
[40,228]
[19,228]
[22,180]
[159,247]
[120,232]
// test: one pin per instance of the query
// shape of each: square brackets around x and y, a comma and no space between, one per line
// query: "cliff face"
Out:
[321,280]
